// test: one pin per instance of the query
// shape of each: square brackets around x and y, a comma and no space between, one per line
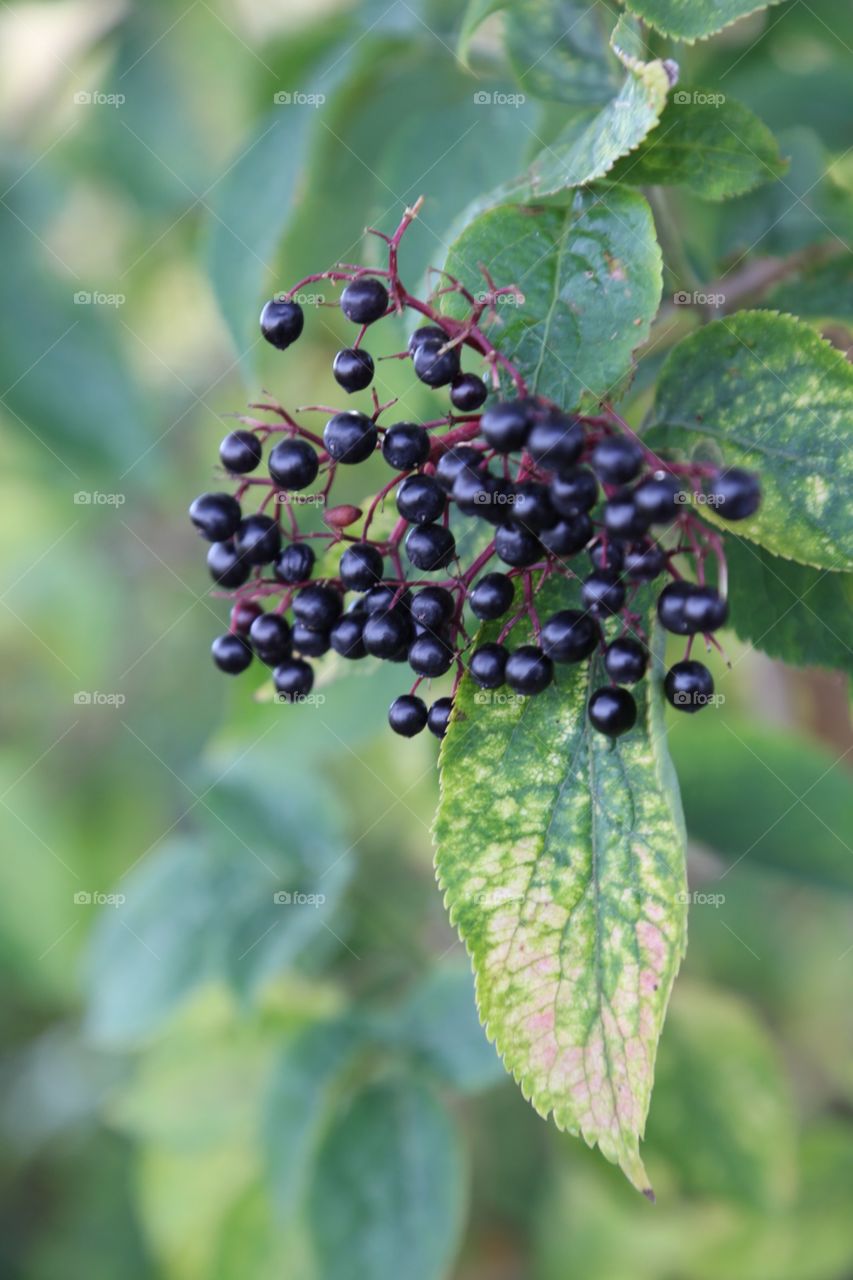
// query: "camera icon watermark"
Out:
[295,898]
[485,498]
[95,498]
[85,898]
[699,499]
[497,698]
[296,98]
[94,698]
[95,98]
[485,98]
[698,299]
[286,498]
[697,899]
[301,699]
[86,298]
[681,698]
[696,97]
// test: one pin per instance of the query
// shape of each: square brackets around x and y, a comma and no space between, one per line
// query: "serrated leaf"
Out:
[763,797]
[694,19]
[387,1191]
[790,611]
[561,855]
[716,148]
[560,50]
[765,392]
[824,292]
[590,275]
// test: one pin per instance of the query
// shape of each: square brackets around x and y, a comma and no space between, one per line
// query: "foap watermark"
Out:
[94,898]
[700,499]
[301,699]
[95,498]
[87,298]
[511,298]
[296,98]
[494,98]
[95,98]
[695,898]
[296,898]
[94,698]
[698,299]
[285,498]
[497,698]
[697,98]
[485,498]
[681,698]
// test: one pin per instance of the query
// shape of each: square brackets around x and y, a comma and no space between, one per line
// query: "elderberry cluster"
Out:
[556,494]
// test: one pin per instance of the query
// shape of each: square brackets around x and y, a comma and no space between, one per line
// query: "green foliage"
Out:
[590,277]
[573,969]
[762,391]
[694,19]
[717,149]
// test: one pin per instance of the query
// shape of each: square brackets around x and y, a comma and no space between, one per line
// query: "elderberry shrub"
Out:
[553,494]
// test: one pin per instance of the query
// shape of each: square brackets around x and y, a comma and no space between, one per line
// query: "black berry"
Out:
[420,499]
[603,592]
[468,392]
[705,610]
[353,369]
[612,711]
[672,607]
[574,492]
[568,536]
[439,716]
[433,364]
[432,607]
[317,606]
[350,437]
[617,459]
[452,462]
[216,516]
[386,596]
[293,464]
[361,567]
[622,519]
[243,614]
[430,547]
[231,653]
[282,322]
[387,634]
[427,332]
[293,679]
[689,686]
[531,507]
[517,546]
[556,442]
[347,636]
[240,452]
[429,655]
[407,715]
[364,300]
[270,638]
[506,425]
[296,563]
[491,596]
[309,642]
[736,494]
[405,446]
[225,565]
[257,539]
[644,561]
[569,636]
[607,554]
[488,665]
[625,660]
[657,497]
[529,670]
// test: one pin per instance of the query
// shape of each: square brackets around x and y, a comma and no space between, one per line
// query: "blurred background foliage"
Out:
[202,1083]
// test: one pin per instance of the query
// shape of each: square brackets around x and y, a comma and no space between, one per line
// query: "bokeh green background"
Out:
[201,1083]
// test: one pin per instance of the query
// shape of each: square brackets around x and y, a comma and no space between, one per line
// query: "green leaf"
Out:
[790,611]
[722,1112]
[561,855]
[716,148]
[439,1023]
[299,1105]
[251,206]
[476,13]
[387,1194]
[758,796]
[590,274]
[823,292]
[763,391]
[694,19]
[560,50]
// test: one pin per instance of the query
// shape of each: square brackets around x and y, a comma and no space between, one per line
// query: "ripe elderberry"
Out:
[518,480]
